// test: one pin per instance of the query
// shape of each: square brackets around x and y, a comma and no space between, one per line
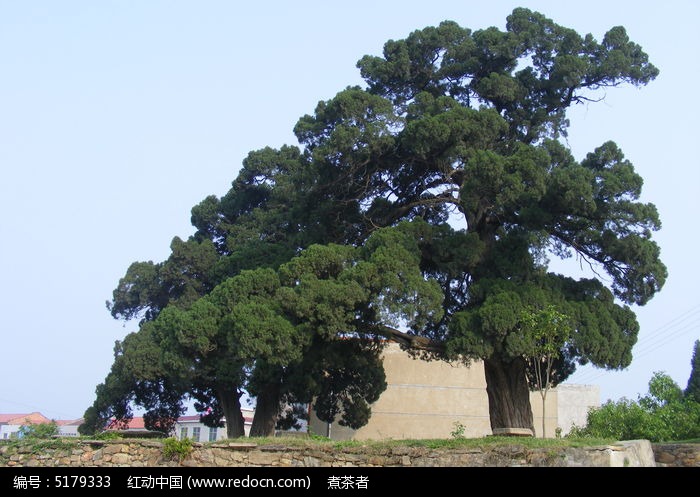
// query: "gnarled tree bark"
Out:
[230,400]
[267,410]
[509,394]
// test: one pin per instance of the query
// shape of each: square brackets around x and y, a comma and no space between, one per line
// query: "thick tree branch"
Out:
[411,341]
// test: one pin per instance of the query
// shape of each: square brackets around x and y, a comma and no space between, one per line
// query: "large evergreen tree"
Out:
[446,171]
[459,129]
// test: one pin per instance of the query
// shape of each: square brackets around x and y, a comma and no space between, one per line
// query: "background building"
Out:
[69,428]
[191,427]
[11,423]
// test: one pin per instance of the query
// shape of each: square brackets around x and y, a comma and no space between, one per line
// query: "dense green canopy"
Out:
[424,209]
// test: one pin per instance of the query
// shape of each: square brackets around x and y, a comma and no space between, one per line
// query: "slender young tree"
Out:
[546,331]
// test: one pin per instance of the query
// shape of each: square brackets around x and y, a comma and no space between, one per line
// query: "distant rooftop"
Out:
[23,418]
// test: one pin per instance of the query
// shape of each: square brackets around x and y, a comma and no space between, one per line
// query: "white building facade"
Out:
[191,427]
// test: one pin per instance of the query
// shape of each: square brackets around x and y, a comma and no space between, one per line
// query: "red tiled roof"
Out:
[69,422]
[187,418]
[20,419]
[134,424]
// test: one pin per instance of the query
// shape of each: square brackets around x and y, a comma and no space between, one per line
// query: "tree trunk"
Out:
[544,417]
[267,410]
[231,405]
[509,396]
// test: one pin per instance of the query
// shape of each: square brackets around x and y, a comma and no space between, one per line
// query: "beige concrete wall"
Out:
[550,412]
[425,399]
[574,404]
[422,400]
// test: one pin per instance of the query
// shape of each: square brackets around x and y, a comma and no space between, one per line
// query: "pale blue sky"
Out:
[116,117]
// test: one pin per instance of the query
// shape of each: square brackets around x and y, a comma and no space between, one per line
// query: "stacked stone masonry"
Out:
[684,455]
[149,453]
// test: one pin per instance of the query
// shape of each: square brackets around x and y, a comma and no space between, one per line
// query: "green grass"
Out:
[177,449]
[38,446]
[450,443]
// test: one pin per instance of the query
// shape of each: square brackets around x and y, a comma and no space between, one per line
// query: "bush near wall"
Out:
[664,414]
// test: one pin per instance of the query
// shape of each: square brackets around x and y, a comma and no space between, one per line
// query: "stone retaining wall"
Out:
[686,455]
[139,453]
